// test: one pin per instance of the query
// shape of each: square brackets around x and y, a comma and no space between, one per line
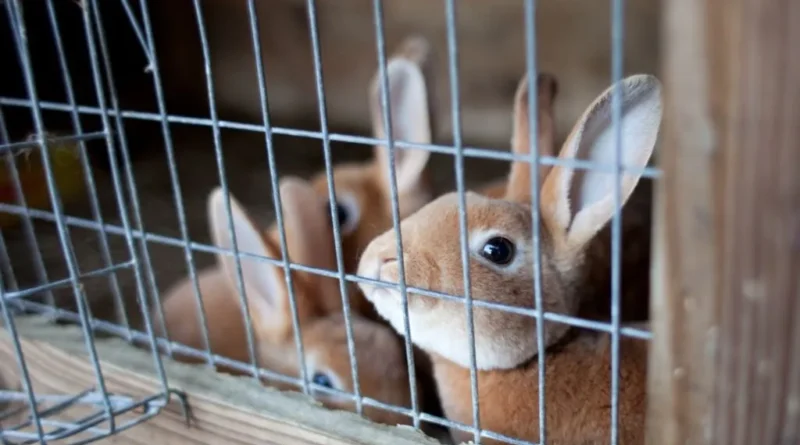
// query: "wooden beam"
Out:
[725,361]
[224,409]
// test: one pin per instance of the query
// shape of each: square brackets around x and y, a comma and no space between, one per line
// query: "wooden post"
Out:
[725,361]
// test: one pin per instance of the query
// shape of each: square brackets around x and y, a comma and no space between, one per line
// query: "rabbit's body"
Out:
[577,394]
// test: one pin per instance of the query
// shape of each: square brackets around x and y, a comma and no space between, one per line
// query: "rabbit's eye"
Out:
[341,214]
[346,213]
[498,250]
[322,379]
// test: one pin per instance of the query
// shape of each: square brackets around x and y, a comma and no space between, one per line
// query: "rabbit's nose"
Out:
[384,262]
[370,267]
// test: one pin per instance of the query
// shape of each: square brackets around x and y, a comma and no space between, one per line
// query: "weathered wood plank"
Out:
[224,409]
[726,301]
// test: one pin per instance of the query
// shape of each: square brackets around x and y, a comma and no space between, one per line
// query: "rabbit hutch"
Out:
[400,222]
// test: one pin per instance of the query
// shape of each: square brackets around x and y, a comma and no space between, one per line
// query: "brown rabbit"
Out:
[363,190]
[575,206]
[309,241]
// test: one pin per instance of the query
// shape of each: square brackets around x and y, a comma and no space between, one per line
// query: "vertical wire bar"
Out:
[147,45]
[617,36]
[123,141]
[23,367]
[176,187]
[97,214]
[115,175]
[337,236]
[223,181]
[533,140]
[24,55]
[452,47]
[6,268]
[387,124]
[27,222]
[276,196]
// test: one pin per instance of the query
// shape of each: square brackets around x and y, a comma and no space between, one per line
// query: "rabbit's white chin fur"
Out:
[435,332]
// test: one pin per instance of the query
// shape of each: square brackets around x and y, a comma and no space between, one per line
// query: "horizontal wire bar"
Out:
[447,423]
[175,242]
[15,146]
[86,397]
[66,282]
[67,425]
[469,152]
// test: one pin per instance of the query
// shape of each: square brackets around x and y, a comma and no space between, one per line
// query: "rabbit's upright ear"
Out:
[410,115]
[264,283]
[577,203]
[519,179]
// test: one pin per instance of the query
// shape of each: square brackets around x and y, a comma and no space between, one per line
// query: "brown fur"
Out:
[577,394]
[575,208]
[322,328]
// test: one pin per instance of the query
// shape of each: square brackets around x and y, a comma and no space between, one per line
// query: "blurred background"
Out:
[573,43]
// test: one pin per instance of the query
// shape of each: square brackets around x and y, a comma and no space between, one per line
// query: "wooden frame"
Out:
[224,409]
[725,361]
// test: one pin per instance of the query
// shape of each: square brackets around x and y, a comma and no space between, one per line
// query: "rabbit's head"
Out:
[363,190]
[574,206]
[380,355]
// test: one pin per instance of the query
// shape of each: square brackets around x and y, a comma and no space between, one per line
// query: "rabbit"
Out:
[363,190]
[575,208]
[322,328]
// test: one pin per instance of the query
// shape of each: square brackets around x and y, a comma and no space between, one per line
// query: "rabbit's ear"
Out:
[577,203]
[519,179]
[408,102]
[309,236]
[264,283]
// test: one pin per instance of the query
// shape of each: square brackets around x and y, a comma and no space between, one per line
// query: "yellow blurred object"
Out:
[67,171]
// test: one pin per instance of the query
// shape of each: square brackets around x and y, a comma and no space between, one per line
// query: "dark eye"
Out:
[498,250]
[322,380]
[341,213]
[347,213]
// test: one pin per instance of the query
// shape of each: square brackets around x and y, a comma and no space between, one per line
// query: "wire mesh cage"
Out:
[50,164]
[362,259]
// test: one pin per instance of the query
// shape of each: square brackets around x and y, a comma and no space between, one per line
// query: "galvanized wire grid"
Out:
[110,407]
[40,425]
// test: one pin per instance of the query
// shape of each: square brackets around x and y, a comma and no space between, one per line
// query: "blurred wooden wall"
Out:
[573,43]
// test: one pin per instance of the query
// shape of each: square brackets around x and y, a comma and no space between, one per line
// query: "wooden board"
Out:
[725,363]
[224,409]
